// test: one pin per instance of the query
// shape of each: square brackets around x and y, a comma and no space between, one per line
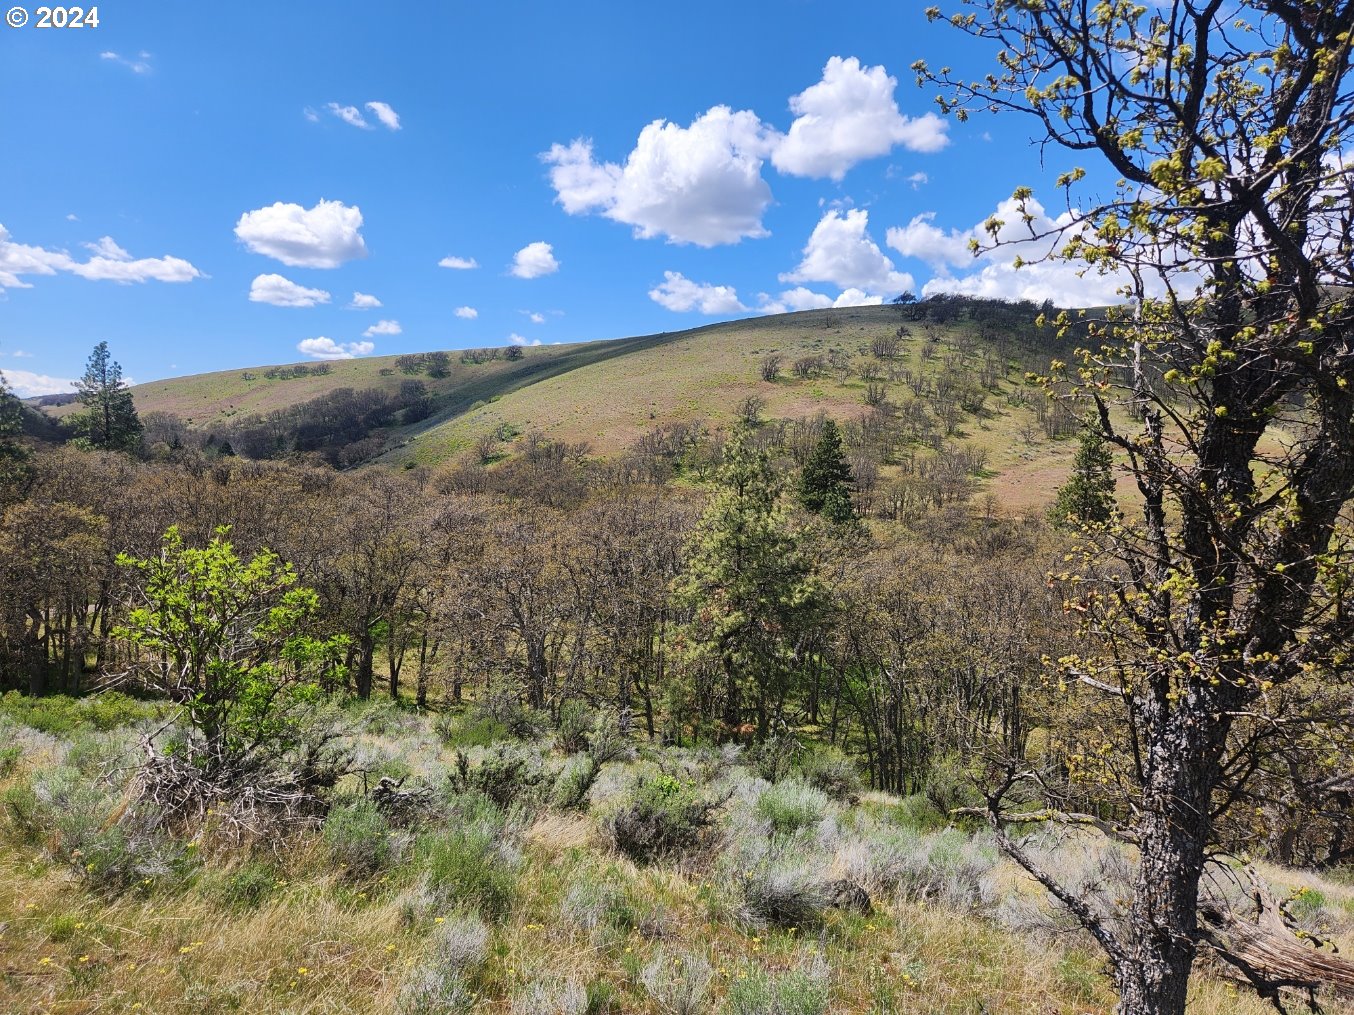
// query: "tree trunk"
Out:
[366,649]
[1173,831]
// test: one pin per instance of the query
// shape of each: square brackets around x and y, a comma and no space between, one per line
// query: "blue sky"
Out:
[610,169]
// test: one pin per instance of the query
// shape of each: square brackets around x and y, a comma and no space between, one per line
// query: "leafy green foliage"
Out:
[228,641]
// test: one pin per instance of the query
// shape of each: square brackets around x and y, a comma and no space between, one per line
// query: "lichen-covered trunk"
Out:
[1181,769]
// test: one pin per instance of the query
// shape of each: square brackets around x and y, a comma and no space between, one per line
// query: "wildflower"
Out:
[390,948]
[84,958]
[302,971]
[31,905]
[46,960]
[440,919]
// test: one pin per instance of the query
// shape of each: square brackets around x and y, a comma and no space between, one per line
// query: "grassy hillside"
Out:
[705,373]
[607,394]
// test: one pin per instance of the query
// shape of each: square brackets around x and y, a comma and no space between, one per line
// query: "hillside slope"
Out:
[606,394]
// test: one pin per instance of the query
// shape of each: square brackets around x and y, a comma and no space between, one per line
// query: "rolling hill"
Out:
[608,393]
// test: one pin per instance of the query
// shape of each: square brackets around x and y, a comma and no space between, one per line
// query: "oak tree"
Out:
[1222,125]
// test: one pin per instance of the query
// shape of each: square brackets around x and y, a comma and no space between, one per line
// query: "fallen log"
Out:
[1270,953]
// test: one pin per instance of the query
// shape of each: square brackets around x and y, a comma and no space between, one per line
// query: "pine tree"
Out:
[825,483]
[109,421]
[749,585]
[1087,498]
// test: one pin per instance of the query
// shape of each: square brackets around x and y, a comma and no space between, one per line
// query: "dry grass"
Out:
[317,943]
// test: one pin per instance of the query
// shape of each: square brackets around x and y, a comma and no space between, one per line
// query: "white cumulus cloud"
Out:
[383,328]
[993,274]
[466,313]
[348,114]
[847,117]
[856,298]
[364,301]
[534,260]
[801,298]
[327,348]
[458,263]
[798,298]
[388,117]
[283,292]
[516,339]
[27,384]
[841,252]
[324,236]
[681,294]
[700,184]
[109,263]
[921,239]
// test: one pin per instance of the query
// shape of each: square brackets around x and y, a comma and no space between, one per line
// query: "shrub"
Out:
[678,984]
[951,868]
[785,893]
[662,816]
[506,774]
[90,830]
[466,868]
[610,741]
[9,759]
[576,722]
[774,757]
[595,902]
[382,717]
[917,811]
[880,858]
[504,707]
[829,770]
[949,786]
[427,991]
[790,806]
[469,730]
[358,837]
[460,943]
[559,998]
[574,780]
[246,886]
[754,991]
